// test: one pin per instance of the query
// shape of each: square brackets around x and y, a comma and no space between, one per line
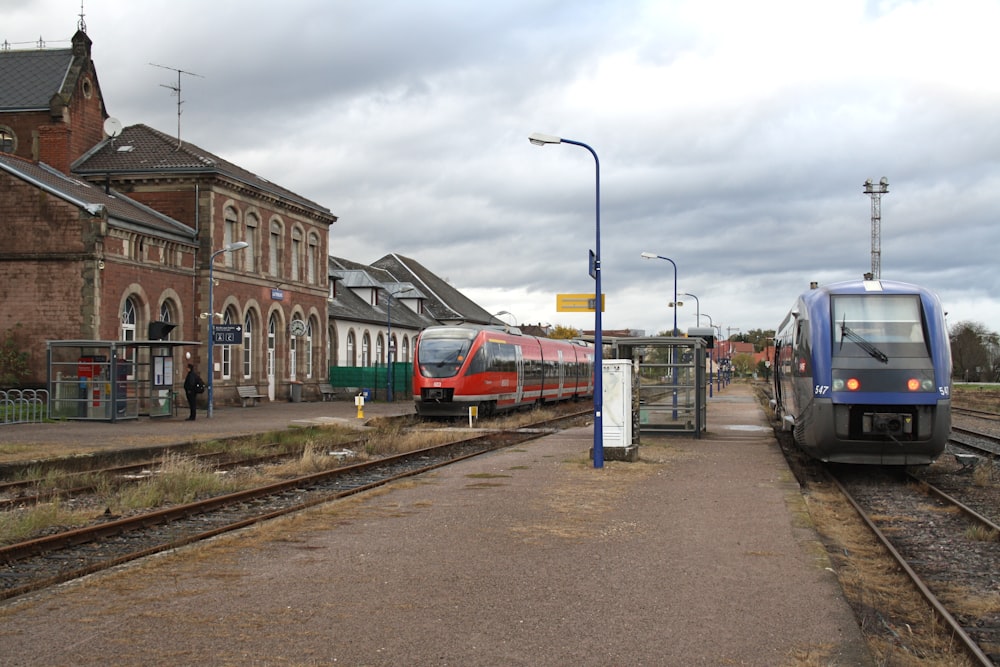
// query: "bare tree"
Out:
[973,349]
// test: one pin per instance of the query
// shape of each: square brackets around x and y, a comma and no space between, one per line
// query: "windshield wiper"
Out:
[848,333]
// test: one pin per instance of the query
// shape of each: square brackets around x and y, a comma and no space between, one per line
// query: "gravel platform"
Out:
[700,553]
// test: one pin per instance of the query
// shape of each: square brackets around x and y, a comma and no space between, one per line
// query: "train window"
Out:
[883,320]
[442,357]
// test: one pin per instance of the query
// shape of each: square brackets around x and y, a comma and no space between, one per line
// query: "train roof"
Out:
[868,286]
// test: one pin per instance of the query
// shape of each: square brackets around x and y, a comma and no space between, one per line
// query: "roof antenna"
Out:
[81,25]
[177,91]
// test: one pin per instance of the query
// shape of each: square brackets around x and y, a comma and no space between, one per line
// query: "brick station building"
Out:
[104,235]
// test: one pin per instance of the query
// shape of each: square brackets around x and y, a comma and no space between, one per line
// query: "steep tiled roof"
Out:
[444,302]
[31,78]
[121,210]
[347,305]
[140,149]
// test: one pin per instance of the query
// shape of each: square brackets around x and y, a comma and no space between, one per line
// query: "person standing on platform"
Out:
[193,385]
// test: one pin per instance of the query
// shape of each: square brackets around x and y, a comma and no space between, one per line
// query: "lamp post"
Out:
[507,312]
[389,345]
[650,255]
[595,271]
[239,245]
[711,356]
[673,353]
[697,306]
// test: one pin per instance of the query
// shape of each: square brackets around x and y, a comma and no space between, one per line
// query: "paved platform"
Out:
[697,554]
[21,442]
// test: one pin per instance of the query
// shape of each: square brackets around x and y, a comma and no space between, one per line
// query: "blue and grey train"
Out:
[863,373]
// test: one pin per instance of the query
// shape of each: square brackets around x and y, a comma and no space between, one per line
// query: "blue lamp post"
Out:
[650,255]
[673,360]
[389,347]
[710,356]
[540,140]
[239,245]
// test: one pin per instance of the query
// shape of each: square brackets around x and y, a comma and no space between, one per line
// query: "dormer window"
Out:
[7,140]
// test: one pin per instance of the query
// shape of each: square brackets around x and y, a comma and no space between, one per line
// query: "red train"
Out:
[497,370]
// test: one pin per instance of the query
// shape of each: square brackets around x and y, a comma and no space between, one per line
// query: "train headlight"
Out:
[853,384]
[928,385]
[838,384]
[913,384]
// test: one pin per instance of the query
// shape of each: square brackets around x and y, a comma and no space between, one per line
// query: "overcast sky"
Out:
[734,137]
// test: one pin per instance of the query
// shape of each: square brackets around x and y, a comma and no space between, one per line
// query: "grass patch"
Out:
[21,525]
[178,480]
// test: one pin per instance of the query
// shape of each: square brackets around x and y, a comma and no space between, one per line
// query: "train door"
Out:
[519,365]
[562,376]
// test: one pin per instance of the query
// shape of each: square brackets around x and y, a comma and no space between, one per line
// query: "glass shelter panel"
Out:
[670,383]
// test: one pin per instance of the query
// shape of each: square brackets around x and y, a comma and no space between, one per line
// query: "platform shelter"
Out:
[112,380]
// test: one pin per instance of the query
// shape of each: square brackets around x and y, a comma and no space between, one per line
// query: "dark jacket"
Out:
[193,383]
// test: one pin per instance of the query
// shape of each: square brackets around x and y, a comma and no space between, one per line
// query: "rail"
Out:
[20,406]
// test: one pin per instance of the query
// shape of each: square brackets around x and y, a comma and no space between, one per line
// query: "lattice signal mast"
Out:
[876,192]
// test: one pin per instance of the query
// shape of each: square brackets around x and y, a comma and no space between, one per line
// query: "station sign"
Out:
[578,303]
[227,334]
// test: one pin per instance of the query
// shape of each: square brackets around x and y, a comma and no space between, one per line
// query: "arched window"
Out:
[229,233]
[272,343]
[379,350]
[248,346]
[128,319]
[129,324]
[309,348]
[296,254]
[165,314]
[274,250]
[312,259]
[351,359]
[227,350]
[250,254]
[366,350]
[7,140]
[404,352]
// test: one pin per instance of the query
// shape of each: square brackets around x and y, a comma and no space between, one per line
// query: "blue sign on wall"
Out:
[227,334]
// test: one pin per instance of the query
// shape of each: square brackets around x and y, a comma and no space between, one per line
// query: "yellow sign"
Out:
[578,303]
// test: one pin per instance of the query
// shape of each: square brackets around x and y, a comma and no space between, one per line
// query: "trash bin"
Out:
[296,392]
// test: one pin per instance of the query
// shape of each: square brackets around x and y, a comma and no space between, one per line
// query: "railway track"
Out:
[47,485]
[948,550]
[66,555]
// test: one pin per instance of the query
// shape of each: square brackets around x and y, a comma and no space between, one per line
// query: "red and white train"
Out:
[457,367]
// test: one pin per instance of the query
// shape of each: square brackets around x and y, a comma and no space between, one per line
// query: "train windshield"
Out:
[878,325]
[442,353]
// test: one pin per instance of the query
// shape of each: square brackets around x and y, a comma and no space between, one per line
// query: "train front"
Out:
[440,354]
[881,377]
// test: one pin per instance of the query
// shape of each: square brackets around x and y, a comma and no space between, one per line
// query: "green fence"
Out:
[375,379]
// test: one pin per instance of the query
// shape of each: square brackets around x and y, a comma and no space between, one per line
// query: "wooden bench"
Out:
[249,394]
[327,391]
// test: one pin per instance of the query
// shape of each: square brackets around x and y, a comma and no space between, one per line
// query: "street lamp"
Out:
[507,312]
[697,306]
[595,271]
[239,245]
[711,323]
[650,255]
[389,345]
